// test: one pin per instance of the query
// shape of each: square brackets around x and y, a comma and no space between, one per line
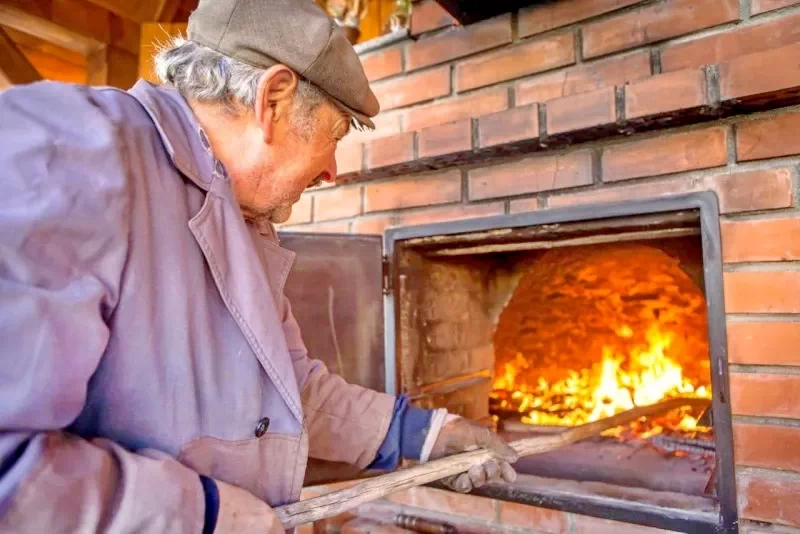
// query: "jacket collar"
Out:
[184,139]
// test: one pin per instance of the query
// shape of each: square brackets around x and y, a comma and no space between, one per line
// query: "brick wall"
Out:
[586,101]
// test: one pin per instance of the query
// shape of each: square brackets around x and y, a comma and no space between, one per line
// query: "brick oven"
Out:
[567,211]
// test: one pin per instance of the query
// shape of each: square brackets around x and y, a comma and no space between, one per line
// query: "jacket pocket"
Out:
[267,467]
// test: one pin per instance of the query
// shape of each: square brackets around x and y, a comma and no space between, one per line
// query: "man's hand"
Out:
[461,435]
[241,512]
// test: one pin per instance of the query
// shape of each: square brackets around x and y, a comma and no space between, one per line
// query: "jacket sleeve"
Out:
[63,242]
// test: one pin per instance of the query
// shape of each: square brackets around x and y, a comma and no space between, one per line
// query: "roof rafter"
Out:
[14,66]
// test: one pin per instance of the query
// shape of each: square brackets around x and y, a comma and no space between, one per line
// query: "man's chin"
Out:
[280,214]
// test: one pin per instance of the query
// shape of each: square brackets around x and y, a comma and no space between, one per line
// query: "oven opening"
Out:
[535,330]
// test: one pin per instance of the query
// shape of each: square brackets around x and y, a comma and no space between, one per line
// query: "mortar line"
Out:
[745,9]
[784,422]
[755,369]
[655,60]
[733,318]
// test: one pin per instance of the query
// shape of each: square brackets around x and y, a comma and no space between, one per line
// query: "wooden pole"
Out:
[337,502]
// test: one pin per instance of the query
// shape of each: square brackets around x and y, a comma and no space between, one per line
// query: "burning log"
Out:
[337,502]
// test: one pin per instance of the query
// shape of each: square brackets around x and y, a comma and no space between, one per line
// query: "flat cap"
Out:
[295,33]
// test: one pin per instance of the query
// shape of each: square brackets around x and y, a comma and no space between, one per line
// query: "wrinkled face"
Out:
[276,169]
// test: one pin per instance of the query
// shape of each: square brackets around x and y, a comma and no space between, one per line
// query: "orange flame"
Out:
[618,382]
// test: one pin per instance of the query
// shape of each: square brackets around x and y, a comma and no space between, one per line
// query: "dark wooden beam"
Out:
[93,50]
[14,66]
[48,31]
[472,11]
[136,10]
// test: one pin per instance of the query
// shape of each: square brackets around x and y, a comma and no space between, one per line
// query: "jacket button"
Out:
[262,427]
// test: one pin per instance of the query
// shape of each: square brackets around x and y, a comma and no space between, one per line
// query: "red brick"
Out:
[446,502]
[349,157]
[762,6]
[615,194]
[531,175]
[769,498]
[337,203]
[579,112]
[765,395]
[768,138]
[730,44]
[764,343]
[373,225]
[755,74]
[542,519]
[414,88]
[455,213]
[593,525]
[446,138]
[546,17]
[665,154]
[515,124]
[454,109]
[752,190]
[607,72]
[334,227]
[301,211]
[744,191]
[385,124]
[761,240]
[439,188]
[516,61]
[762,292]
[676,91]
[458,42]
[385,151]
[428,16]
[383,64]
[773,447]
[525,205]
[656,22]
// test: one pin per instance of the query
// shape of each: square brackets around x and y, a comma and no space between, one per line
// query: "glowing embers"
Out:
[593,331]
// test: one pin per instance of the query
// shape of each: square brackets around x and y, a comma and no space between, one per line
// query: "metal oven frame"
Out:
[707,204]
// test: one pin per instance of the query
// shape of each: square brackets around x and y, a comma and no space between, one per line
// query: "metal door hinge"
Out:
[386,268]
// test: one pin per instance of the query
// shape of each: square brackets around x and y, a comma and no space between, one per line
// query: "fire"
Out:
[593,331]
[618,382]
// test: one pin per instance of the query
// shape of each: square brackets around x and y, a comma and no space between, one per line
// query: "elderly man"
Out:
[152,376]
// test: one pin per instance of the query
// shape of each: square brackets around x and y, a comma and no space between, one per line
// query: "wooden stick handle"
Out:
[337,502]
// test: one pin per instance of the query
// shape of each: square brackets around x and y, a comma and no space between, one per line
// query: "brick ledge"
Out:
[741,85]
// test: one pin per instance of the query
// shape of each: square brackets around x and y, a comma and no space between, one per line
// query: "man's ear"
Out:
[274,98]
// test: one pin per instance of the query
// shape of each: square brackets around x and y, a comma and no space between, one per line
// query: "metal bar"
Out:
[694,446]
[617,509]
[449,385]
[718,343]
[569,242]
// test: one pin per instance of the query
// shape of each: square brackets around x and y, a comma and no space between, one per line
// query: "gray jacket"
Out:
[144,331]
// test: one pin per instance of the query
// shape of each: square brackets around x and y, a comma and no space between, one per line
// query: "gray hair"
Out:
[204,75]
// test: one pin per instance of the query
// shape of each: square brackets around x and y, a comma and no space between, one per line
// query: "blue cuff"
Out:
[406,435]
[212,504]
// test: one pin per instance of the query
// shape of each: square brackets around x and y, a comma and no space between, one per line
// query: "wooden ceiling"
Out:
[110,42]
[95,42]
